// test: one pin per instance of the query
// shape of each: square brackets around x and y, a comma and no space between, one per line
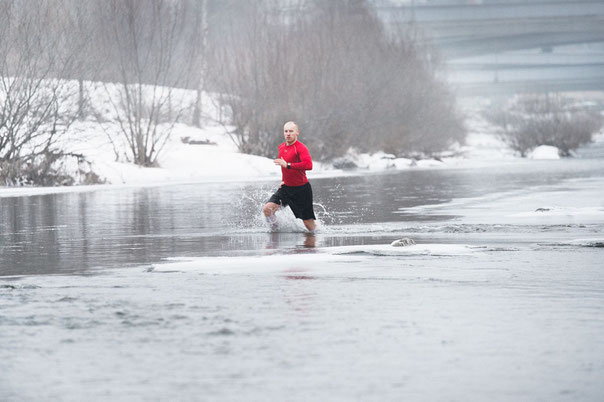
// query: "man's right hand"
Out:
[280,162]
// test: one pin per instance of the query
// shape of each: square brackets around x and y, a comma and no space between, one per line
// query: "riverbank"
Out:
[209,155]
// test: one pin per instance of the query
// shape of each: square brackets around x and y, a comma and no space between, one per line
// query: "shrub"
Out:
[529,121]
[36,109]
[48,169]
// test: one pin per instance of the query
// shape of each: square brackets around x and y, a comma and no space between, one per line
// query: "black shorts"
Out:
[298,198]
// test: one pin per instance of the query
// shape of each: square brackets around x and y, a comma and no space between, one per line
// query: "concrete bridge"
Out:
[511,46]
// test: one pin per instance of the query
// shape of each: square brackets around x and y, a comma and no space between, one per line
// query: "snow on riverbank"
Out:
[218,160]
[210,155]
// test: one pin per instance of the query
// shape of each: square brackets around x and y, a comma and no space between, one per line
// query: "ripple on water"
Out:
[222,332]
[11,286]
[179,317]
[67,299]
[142,322]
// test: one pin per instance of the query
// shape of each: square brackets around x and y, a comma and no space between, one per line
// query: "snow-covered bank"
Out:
[215,157]
[194,155]
[211,156]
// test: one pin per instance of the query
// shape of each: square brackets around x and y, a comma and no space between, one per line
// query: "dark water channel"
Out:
[82,231]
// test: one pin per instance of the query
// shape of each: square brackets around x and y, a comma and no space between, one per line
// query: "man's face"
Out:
[290,132]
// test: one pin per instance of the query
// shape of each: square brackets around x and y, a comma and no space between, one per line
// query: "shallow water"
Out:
[181,293]
[79,232]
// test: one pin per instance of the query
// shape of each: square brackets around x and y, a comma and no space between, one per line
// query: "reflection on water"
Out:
[76,232]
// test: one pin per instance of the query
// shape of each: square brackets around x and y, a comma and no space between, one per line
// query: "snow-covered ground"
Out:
[220,161]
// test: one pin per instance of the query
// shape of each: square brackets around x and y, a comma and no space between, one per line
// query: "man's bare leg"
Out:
[269,212]
[310,240]
[310,225]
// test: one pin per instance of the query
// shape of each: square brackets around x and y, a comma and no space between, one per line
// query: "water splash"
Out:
[288,222]
[247,212]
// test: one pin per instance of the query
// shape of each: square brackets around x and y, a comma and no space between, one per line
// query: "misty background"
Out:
[370,75]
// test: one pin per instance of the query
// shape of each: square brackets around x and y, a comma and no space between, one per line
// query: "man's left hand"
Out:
[281,162]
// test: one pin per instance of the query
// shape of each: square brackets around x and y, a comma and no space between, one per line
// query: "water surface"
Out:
[77,232]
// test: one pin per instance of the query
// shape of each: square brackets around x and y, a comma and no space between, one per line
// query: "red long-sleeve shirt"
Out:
[297,154]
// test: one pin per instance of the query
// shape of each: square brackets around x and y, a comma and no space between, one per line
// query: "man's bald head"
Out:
[290,132]
[291,124]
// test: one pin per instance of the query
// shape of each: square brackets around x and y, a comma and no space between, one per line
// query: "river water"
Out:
[180,292]
[79,232]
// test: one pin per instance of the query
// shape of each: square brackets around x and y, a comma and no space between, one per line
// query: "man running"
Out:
[295,189]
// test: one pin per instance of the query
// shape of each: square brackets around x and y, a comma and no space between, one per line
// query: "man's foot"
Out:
[310,240]
[273,223]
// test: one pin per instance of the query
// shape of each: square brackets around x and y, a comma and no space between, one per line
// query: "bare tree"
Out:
[201,36]
[144,38]
[36,108]
[340,75]
[79,19]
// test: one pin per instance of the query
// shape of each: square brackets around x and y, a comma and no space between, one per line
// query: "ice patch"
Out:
[429,249]
[308,260]
[561,211]
[304,261]
[589,242]
[599,243]
[569,202]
